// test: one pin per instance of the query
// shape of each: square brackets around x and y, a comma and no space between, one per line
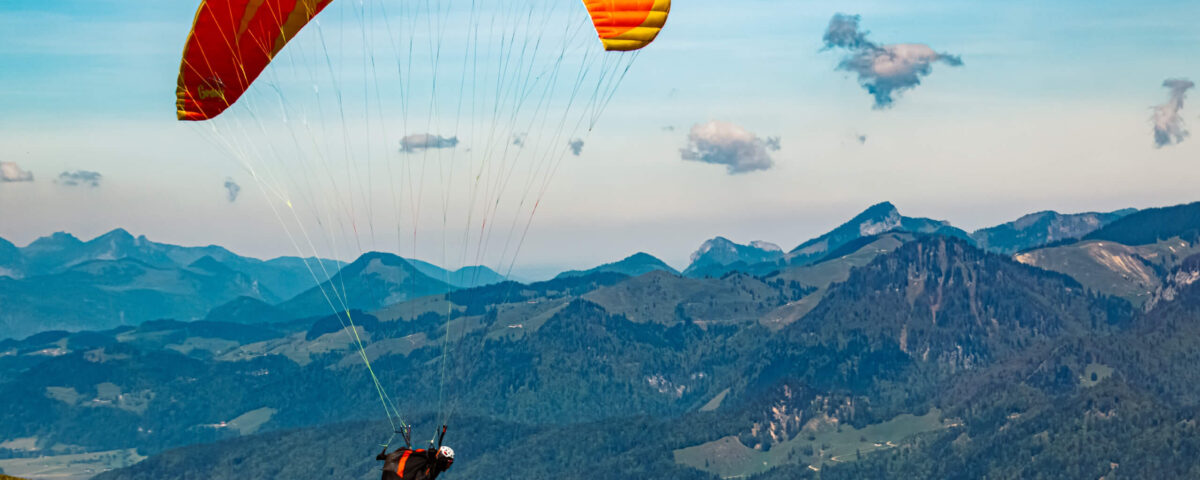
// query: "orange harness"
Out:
[403,461]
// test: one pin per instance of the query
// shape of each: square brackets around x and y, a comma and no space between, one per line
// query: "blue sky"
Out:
[1050,110]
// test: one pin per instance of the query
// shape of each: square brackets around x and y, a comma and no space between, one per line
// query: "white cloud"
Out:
[576,146]
[1168,123]
[727,144]
[11,172]
[883,70]
[232,189]
[80,177]
[423,141]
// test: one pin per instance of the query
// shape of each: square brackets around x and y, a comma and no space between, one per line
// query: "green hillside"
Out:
[820,276]
[634,265]
[1153,225]
[1111,268]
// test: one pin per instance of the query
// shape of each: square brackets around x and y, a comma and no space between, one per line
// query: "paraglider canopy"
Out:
[232,41]
[625,25]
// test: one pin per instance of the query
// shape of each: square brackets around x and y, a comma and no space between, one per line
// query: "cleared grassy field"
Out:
[70,467]
[251,421]
[716,401]
[1095,373]
[1111,268]
[729,458]
[20,444]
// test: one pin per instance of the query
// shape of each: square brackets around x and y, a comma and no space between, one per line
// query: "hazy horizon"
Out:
[1043,113]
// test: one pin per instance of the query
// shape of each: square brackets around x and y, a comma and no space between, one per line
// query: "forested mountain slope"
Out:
[936,360]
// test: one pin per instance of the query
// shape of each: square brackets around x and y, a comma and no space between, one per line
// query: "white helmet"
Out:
[446,452]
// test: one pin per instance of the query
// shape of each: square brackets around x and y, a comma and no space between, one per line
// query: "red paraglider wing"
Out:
[231,42]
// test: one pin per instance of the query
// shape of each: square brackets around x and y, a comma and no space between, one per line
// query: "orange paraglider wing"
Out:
[628,24]
[231,42]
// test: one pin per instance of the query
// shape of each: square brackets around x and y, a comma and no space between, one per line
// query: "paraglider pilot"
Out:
[421,464]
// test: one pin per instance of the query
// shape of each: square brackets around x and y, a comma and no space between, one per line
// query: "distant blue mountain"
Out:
[285,276]
[62,282]
[11,263]
[465,277]
[1043,228]
[247,310]
[373,281]
[103,293]
[879,218]
[720,255]
[634,265]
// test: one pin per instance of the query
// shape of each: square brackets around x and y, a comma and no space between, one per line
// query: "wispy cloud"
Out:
[883,70]
[232,190]
[11,172]
[727,144]
[576,146]
[80,178]
[424,141]
[1168,122]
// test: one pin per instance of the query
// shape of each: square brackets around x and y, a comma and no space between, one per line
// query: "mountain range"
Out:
[1043,228]
[61,282]
[720,256]
[887,348]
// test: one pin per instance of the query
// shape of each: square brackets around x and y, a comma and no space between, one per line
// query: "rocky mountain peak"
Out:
[1186,274]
